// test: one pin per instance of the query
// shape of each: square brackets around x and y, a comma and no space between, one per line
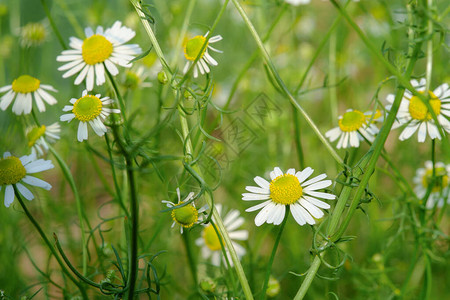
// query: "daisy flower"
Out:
[441,188]
[135,78]
[14,171]
[414,114]
[353,127]
[210,242]
[186,216]
[288,189]
[90,56]
[89,109]
[38,136]
[192,49]
[23,90]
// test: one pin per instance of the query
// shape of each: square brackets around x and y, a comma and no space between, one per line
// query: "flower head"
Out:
[187,215]
[90,56]
[23,89]
[440,192]
[33,34]
[14,171]
[353,127]
[289,189]
[38,136]
[89,109]
[414,114]
[194,48]
[211,243]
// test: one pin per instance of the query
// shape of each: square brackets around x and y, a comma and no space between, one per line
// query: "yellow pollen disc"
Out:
[25,84]
[419,111]
[352,121]
[87,108]
[211,238]
[441,179]
[35,134]
[96,49]
[186,216]
[285,189]
[193,46]
[11,170]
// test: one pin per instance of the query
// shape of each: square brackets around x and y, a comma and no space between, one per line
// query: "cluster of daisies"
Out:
[90,58]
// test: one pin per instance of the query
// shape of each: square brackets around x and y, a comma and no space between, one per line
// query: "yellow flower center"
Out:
[285,189]
[96,49]
[87,108]
[419,111]
[441,180]
[352,121]
[25,84]
[35,134]
[193,46]
[211,238]
[11,170]
[186,216]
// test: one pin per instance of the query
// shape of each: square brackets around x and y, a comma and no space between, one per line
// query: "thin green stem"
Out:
[297,138]
[429,67]
[282,85]
[49,245]
[309,278]
[68,175]
[53,25]
[184,27]
[332,78]
[134,209]
[272,255]
[191,260]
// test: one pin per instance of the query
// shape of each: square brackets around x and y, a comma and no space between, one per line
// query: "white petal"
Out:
[31,180]
[257,190]
[303,175]
[258,206]
[9,195]
[422,133]
[314,180]
[262,182]
[261,217]
[318,185]
[313,210]
[24,191]
[316,202]
[254,197]
[321,195]
[297,214]
[82,133]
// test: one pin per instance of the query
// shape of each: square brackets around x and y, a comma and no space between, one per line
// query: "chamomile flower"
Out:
[39,136]
[289,189]
[135,78]
[15,171]
[414,114]
[98,50]
[89,109]
[23,89]
[353,127]
[440,191]
[210,242]
[192,49]
[186,216]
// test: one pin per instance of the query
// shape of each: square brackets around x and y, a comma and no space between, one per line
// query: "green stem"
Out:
[309,278]
[190,257]
[53,25]
[282,85]
[332,79]
[272,255]
[49,245]
[68,175]
[297,138]
[429,67]
[134,208]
